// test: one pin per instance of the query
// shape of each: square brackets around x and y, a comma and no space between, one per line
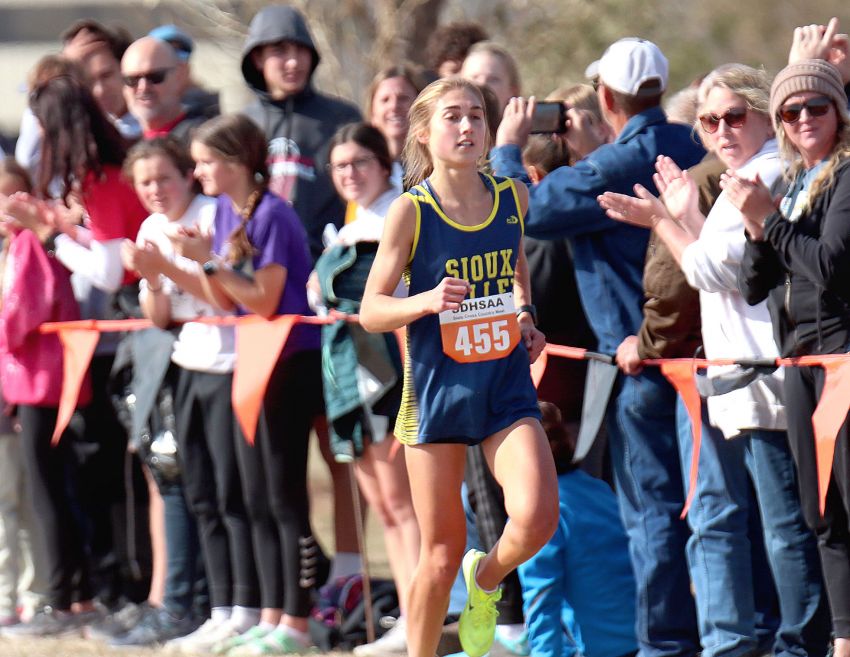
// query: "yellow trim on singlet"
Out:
[407,420]
[417,227]
[518,206]
[497,187]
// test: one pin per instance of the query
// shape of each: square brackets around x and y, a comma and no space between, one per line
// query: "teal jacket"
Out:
[359,369]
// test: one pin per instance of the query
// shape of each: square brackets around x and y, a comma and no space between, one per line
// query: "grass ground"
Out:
[322,517]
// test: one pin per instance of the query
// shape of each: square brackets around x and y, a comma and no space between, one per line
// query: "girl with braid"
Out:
[258,262]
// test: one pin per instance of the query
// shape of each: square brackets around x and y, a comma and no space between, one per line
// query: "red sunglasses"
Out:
[735,117]
[817,106]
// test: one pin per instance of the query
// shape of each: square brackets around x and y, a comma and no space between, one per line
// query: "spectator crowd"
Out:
[654,225]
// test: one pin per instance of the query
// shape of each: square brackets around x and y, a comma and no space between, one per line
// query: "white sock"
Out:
[243,618]
[344,565]
[220,614]
[266,626]
[510,632]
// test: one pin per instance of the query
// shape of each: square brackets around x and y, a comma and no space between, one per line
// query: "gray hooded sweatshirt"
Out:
[299,127]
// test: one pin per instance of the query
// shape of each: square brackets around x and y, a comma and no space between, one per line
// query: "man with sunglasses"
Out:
[155,80]
[609,261]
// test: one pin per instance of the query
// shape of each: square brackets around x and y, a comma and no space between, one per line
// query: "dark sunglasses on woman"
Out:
[817,106]
[735,117]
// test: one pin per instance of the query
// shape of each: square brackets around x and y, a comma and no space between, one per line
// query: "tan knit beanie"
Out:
[816,75]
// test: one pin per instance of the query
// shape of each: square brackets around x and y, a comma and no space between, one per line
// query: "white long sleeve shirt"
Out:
[731,328]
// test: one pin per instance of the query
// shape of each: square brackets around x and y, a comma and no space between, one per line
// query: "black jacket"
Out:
[803,269]
[299,128]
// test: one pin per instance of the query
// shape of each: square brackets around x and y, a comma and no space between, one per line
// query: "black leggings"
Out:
[803,386]
[206,440]
[274,482]
[46,470]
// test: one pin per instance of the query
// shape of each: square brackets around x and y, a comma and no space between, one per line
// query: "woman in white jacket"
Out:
[735,124]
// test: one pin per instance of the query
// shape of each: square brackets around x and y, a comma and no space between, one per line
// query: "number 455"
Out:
[485,337]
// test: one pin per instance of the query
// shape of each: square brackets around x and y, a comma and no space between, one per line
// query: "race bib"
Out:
[481,329]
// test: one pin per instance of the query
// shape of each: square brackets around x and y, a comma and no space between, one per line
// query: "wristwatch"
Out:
[530,309]
[210,267]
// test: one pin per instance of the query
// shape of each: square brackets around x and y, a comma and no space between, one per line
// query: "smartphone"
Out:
[548,118]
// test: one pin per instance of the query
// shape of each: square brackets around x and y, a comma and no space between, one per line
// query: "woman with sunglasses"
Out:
[797,258]
[733,122]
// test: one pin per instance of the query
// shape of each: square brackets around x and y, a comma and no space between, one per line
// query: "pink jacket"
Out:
[36,289]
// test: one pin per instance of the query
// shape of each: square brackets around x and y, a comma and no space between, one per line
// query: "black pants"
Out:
[274,480]
[48,480]
[206,440]
[803,387]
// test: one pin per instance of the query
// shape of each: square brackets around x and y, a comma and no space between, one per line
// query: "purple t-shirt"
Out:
[278,237]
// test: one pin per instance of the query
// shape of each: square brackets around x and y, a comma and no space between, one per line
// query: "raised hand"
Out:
[644,210]
[812,41]
[516,122]
[678,190]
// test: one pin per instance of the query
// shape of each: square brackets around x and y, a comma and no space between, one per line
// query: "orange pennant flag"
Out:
[538,368]
[258,346]
[680,373]
[830,414]
[78,349]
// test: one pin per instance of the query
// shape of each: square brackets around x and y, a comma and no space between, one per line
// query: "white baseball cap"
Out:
[628,63]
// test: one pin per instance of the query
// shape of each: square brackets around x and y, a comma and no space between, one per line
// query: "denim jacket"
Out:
[609,256]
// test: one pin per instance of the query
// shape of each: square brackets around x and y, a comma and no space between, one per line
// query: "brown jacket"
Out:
[671,314]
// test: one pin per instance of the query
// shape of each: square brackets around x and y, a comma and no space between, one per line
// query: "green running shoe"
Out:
[477,624]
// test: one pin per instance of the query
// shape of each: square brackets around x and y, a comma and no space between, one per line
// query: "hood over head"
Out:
[272,25]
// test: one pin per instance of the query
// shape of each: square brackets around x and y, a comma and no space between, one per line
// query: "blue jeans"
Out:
[720,550]
[641,424]
[185,584]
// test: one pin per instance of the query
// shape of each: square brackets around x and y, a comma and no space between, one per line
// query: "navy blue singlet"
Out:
[445,401]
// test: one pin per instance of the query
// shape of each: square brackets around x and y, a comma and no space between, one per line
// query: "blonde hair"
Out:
[579,96]
[408,72]
[500,53]
[793,162]
[752,85]
[683,106]
[416,156]
[816,76]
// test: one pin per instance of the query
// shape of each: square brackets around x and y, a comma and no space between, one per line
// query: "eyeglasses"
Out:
[359,165]
[735,117]
[157,76]
[817,106]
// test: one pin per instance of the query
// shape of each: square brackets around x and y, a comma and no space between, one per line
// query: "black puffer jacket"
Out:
[803,268]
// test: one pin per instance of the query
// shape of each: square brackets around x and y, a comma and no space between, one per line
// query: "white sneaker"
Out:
[204,638]
[393,642]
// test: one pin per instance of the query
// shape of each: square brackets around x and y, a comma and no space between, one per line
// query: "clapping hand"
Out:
[191,243]
[752,198]
[644,209]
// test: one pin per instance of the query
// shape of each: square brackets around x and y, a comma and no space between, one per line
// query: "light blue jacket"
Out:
[579,591]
